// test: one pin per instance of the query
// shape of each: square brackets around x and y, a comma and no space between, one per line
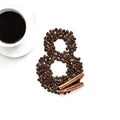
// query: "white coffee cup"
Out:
[11,20]
[25,43]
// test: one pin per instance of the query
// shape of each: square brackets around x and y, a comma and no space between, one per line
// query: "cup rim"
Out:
[3,44]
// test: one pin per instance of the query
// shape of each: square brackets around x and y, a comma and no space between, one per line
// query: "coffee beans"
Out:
[43,67]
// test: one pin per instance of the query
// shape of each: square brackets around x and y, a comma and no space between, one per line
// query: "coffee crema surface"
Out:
[12,27]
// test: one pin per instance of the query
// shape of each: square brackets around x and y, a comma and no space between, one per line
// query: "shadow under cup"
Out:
[12,26]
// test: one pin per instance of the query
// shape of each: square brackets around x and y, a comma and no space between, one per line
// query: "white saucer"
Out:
[30,37]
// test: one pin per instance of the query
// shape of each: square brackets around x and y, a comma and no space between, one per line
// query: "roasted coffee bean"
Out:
[73,64]
[59,34]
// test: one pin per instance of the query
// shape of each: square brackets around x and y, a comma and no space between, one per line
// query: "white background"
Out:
[96,25]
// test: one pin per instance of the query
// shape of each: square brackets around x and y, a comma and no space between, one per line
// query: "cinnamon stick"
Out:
[71,81]
[71,88]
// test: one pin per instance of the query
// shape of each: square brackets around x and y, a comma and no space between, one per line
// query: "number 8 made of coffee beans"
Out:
[65,83]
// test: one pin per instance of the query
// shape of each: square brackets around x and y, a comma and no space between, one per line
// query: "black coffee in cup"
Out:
[12,27]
